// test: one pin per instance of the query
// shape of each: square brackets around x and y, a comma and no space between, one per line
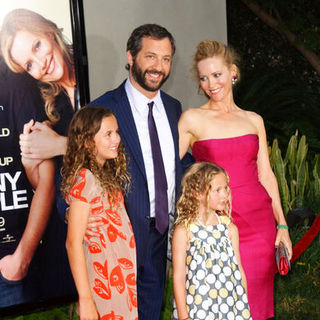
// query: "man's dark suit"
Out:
[151,265]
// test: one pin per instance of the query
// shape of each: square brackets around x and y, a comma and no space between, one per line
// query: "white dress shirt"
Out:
[140,109]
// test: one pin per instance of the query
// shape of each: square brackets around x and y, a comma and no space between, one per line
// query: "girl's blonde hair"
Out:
[211,48]
[196,182]
[81,150]
[27,20]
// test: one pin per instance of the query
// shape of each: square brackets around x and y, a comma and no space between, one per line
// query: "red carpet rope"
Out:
[306,240]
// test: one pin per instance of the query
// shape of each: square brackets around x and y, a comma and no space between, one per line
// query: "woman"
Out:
[33,44]
[221,132]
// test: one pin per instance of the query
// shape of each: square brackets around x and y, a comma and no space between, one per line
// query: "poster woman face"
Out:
[39,55]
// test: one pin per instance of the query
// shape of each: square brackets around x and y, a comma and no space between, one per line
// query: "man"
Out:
[150,50]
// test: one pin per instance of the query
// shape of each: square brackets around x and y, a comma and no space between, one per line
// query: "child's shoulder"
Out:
[224,219]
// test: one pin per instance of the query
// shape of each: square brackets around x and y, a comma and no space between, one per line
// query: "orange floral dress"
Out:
[111,257]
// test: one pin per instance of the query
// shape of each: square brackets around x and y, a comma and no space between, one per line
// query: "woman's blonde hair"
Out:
[24,19]
[196,182]
[211,48]
[81,150]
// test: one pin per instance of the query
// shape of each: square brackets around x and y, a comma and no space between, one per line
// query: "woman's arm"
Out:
[269,181]
[179,247]
[185,134]
[77,225]
[15,266]
[234,237]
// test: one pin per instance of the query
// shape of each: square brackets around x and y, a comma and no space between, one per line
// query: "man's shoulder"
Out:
[166,97]
[110,96]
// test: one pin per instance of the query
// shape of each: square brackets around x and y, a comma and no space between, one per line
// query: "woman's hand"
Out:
[41,142]
[283,236]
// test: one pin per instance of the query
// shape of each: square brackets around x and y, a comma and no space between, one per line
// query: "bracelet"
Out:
[282,226]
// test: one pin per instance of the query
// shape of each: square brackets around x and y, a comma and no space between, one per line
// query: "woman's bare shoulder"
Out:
[253,116]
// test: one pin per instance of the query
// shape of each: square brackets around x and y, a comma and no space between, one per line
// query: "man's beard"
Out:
[140,77]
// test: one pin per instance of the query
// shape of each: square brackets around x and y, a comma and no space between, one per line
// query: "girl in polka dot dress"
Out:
[208,278]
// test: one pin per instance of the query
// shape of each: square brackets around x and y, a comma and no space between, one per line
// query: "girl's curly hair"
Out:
[196,182]
[113,176]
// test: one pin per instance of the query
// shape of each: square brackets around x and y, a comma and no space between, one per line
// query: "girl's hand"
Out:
[87,309]
[283,236]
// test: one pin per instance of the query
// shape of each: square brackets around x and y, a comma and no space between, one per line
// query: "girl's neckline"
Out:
[229,138]
[198,222]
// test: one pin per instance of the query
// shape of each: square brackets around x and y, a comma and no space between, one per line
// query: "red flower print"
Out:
[133,296]
[125,264]
[114,217]
[132,242]
[104,220]
[101,270]
[77,190]
[101,289]
[131,279]
[94,247]
[97,210]
[102,240]
[116,279]
[95,200]
[82,173]
[113,233]
[111,316]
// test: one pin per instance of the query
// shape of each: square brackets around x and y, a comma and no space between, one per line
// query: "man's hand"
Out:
[12,268]
[93,226]
[41,142]
[31,165]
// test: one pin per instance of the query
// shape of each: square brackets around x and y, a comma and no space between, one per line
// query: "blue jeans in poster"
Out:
[22,291]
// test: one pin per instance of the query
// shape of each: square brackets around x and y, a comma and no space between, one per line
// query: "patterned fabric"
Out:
[213,280]
[111,258]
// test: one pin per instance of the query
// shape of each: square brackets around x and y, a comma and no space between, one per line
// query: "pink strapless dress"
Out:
[252,213]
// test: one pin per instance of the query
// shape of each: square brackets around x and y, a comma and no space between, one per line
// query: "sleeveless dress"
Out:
[252,213]
[111,258]
[213,280]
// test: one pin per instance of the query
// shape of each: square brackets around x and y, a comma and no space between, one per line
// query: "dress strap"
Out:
[224,219]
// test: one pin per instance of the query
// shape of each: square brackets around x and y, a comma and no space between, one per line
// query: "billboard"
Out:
[43,78]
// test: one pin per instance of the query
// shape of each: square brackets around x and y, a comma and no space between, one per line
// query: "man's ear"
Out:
[129,58]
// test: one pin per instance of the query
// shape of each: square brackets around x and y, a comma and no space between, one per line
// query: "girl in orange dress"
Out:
[94,176]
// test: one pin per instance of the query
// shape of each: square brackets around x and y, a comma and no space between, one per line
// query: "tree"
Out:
[296,21]
[277,81]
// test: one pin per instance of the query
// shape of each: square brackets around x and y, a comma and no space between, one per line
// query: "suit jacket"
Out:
[137,200]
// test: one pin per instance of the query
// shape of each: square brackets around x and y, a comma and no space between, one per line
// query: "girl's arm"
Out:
[15,266]
[269,181]
[234,237]
[179,247]
[77,225]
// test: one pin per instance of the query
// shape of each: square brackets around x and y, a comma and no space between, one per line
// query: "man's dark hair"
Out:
[155,31]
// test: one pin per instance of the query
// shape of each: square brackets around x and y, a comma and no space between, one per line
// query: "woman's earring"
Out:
[234,80]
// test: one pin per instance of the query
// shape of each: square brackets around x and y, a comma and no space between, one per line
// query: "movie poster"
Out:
[39,82]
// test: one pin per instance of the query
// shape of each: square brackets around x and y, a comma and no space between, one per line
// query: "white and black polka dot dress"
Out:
[213,280]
